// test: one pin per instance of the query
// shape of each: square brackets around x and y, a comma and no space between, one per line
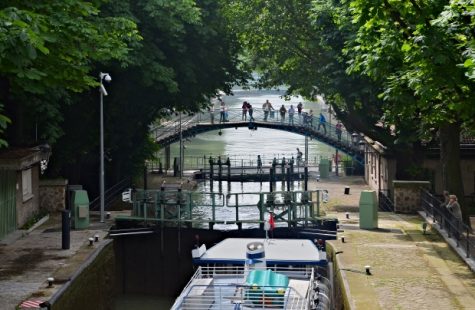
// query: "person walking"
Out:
[299,108]
[267,107]
[322,123]
[291,115]
[282,111]
[250,110]
[244,111]
[338,130]
[222,112]
[299,157]
[259,164]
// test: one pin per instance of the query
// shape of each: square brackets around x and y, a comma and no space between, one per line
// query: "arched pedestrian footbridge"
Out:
[190,125]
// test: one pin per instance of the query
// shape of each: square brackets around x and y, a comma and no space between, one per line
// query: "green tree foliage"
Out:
[300,44]
[418,50]
[47,49]
[186,55]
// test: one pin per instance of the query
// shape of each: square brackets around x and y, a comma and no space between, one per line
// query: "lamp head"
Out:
[105,77]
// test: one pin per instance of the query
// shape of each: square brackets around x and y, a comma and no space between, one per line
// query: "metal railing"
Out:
[456,229]
[110,195]
[173,126]
[194,209]
[225,287]
[385,203]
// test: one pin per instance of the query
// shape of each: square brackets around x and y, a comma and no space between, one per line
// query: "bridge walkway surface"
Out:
[189,125]
[410,270]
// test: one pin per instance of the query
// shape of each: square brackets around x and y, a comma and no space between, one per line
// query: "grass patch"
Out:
[34,219]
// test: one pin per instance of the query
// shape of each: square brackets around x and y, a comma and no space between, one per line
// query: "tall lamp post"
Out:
[102,77]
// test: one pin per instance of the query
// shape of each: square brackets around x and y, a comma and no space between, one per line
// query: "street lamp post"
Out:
[102,77]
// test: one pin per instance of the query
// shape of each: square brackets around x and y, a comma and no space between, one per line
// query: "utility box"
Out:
[80,209]
[324,168]
[368,210]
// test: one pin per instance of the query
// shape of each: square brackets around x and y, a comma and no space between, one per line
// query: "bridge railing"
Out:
[201,209]
[302,121]
[236,161]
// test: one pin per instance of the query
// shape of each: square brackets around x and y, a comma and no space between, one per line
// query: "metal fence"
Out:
[385,202]
[456,229]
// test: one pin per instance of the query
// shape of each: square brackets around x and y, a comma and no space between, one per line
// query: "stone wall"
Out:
[92,286]
[53,195]
[407,195]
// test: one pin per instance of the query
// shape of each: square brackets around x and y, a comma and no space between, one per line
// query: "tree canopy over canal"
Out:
[401,72]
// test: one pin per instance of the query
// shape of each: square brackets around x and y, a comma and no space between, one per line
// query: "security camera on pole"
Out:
[102,77]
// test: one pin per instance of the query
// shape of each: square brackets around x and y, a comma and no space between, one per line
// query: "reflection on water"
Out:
[243,142]
[230,195]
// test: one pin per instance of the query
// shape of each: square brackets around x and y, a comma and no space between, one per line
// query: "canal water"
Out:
[244,144]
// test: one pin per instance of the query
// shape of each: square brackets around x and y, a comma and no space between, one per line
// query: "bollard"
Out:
[342,239]
[50,281]
[347,190]
[96,238]
[65,229]
[368,269]
[91,241]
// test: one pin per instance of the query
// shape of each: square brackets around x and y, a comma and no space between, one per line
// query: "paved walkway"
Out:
[410,270]
[28,260]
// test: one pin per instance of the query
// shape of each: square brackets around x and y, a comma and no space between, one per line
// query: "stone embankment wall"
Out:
[53,195]
[341,292]
[92,286]
[407,195]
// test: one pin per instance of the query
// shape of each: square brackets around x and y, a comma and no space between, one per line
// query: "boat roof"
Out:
[277,252]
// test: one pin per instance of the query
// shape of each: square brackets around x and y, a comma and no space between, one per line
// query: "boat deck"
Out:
[226,288]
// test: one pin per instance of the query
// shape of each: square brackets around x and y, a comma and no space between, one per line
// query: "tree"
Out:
[47,49]
[186,55]
[409,46]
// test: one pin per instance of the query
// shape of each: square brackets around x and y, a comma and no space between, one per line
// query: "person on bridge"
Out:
[299,108]
[251,110]
[282,111]
[267,107]
[244,110]
[259,164]
[338,130]
[322,123]
[291,115]
[222,112]
[299,156]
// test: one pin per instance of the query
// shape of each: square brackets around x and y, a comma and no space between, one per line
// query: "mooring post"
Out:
[271,183]
[220,169]
[175,167]
[283,168]
[288,178]
[260,206]
[306,177]
[211,165]
[228,162]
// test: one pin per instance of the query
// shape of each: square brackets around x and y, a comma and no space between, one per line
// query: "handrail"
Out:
[172,127]
[455,228]
[110,194]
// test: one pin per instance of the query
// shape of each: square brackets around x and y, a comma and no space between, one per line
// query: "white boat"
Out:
[248,273]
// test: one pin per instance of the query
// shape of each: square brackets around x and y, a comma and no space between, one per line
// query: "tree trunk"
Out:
[450,162]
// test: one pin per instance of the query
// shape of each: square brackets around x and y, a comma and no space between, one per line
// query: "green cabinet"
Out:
[80,204]
[368,210]
[324,168]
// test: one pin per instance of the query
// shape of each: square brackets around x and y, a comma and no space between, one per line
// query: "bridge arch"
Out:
[198,123]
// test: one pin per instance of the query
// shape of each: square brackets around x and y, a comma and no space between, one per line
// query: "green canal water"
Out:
[240,144]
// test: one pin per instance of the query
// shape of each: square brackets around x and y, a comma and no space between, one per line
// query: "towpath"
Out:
[410,270]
